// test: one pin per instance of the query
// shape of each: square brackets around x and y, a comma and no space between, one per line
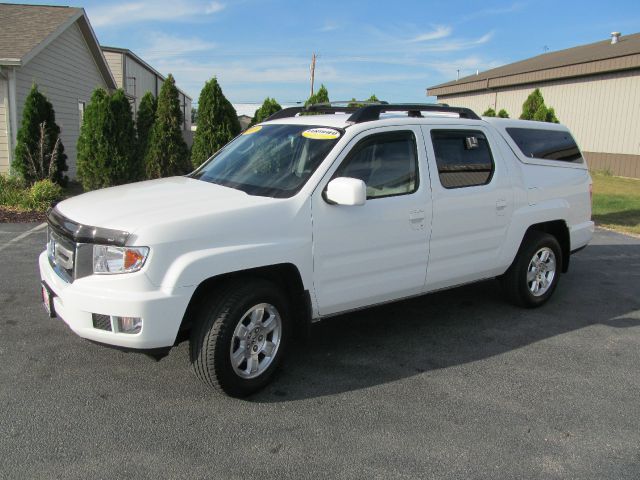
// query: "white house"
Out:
[56,48]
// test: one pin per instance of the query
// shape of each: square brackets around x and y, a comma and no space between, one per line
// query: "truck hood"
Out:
[138,205]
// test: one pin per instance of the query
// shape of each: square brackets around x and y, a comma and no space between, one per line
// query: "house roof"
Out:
[598,57]
[25,30]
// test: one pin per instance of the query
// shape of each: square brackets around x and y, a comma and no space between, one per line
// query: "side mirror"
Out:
[346,191]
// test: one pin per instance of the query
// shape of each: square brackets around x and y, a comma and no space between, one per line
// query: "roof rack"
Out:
[371,110]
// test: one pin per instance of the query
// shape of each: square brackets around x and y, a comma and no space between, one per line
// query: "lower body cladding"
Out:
[137,320]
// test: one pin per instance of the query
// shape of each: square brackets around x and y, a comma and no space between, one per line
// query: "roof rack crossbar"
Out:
[371,111]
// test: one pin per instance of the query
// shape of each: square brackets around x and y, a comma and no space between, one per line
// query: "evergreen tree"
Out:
[93,143]
[489,112]
[354,102]
[167,153]
[144,123]
[321,96]
[38,111]
[503,113]
[126,165]
[531,105]
[107,152]
[534,108]
[541,113]
[268,108]
[217,123]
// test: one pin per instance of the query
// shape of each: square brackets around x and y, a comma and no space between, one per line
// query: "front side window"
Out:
[546,144]
[270,160]
[463,157]
[386,162]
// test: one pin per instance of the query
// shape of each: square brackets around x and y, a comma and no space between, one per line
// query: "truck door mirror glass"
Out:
[346,191]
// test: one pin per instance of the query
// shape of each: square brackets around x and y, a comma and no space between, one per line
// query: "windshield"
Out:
[270,160]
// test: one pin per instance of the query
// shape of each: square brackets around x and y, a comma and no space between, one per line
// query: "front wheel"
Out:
[240,337]
[535,273]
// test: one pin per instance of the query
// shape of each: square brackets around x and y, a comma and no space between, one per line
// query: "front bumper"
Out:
[117,295]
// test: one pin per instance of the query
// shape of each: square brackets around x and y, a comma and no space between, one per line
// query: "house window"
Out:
[81,106]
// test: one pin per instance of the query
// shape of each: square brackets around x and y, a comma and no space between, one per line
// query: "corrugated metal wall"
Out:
[601,111]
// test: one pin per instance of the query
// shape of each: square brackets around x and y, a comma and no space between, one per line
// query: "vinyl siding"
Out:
[114,60]
[66,73]
[601,111]
[140,80]
[4,120]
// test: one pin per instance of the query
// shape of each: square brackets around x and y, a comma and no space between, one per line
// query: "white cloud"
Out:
[329,26]
[161,45]
[458,44]
[440,31]
[214,7]
[107,15]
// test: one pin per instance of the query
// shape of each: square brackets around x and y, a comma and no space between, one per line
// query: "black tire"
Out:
[514,281]
[213,333]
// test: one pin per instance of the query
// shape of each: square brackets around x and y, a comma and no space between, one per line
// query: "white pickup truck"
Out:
[307,216]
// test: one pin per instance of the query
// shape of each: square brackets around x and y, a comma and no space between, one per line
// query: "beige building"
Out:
[594,89]
[136,77]
[56,48]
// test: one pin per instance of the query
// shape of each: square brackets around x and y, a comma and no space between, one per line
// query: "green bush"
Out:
[44,193]
[503,113]
[489,112]
[15,193]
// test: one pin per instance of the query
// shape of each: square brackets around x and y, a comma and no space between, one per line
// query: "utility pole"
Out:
[313,70]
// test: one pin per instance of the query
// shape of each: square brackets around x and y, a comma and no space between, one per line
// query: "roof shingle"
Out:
[24,27]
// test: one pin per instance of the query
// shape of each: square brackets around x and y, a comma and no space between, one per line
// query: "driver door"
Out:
[376,252]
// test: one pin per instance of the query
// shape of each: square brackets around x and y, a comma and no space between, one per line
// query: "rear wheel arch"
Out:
[559,230]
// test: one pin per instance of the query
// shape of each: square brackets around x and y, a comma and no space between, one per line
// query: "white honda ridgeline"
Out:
[306,216]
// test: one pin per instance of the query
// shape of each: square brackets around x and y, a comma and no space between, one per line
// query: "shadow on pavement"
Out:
[458,326]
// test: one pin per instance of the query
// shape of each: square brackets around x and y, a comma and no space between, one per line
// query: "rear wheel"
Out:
[535,273]
[240,337]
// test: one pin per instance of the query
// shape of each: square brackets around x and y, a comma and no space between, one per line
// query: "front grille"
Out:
[61,252]
[101,322]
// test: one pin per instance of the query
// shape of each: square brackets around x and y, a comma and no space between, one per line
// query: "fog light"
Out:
[128,324]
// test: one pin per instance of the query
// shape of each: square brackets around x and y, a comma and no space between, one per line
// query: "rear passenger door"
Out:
[472,204]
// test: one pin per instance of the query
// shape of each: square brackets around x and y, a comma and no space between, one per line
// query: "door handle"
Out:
[416,219]
[501,206]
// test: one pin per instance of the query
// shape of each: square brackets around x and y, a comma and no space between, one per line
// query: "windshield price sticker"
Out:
[321,134]
[251,130]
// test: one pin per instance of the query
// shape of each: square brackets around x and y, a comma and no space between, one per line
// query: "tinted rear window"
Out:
[546,144]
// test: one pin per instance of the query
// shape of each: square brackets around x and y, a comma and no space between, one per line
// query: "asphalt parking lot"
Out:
[456,384]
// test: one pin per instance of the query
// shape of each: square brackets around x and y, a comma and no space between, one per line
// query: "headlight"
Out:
[108,259]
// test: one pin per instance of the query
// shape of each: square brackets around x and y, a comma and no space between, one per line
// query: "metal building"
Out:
[594,89]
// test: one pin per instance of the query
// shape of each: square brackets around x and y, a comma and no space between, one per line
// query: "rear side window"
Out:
[546,144]
[463,157]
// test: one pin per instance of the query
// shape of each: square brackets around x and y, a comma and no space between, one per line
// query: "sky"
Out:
[394,49]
